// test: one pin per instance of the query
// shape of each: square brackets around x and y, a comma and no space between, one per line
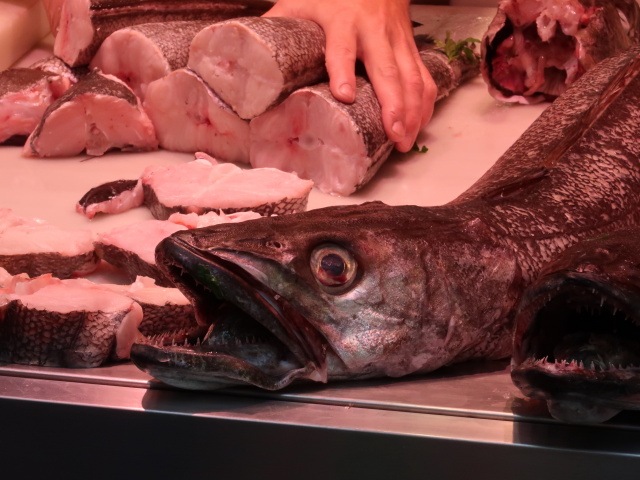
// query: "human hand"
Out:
[379,33]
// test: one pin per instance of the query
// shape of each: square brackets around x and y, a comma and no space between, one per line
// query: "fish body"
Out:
[577,344]
[84,24]
[140,54]
[376,290]
[253,63]
[534,49]
[339,146]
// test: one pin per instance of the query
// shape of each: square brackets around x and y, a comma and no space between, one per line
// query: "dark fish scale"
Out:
[106,191]
[74,339]
[166,318]
[17,79]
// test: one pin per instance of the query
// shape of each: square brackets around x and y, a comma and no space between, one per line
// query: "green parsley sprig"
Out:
[453,49]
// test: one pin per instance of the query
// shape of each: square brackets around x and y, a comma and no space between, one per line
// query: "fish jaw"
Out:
[213,281]
[398,304]
[577,346]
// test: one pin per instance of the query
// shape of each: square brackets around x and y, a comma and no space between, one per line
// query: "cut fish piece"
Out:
[338,146]
[140,54]
[132,248]
[112,197]
[534,49]
[35,248]
[189,117]
[253,63]
[192,220]
[97,114]
[166,311]
[84,24]
[64,324]
[25,94]
[200,187]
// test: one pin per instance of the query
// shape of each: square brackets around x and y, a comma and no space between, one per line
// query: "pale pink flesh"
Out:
[238,66]
[133,58]
[123,202]
[141,238]
[222,186]
[93,123]
[189,117]
[20,112]
[75,30]
[193,220]
[308,135]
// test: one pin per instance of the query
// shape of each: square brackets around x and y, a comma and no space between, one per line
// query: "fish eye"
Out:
[333,267]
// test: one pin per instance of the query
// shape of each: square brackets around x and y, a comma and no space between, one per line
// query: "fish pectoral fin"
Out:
[520,185]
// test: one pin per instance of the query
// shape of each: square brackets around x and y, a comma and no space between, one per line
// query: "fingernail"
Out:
[347,92]
[398,128]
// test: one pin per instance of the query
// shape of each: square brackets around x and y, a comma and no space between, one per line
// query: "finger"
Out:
[341,51]
[384,74]
[413,87]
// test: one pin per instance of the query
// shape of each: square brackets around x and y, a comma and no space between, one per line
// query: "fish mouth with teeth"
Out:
[254,336]
[578,347]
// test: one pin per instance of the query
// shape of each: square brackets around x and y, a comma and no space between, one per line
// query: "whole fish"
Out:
[577,342]
[375,290]
[534,49]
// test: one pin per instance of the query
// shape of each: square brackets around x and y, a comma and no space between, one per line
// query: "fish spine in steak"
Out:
[189,117]
[339,146]
[140,54]
[97,114]
[84,24]
[253,63]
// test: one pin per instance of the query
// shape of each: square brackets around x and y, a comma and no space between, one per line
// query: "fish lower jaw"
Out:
[572,366]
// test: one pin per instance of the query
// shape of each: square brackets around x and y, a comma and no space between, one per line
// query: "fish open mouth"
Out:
[253,336]
[581,347]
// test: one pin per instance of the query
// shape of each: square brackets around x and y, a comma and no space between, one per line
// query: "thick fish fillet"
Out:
[25,94]
[35,248]
[84,24]
[253,63]
[200,187]
[65,324]
[338,146]
[97,114]
[189,117]
[140,54]
[534,49]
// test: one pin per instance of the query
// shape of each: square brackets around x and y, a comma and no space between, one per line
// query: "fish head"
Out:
[342,292]
[577,333]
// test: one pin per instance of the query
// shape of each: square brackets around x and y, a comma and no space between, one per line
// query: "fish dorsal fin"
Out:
[516,186]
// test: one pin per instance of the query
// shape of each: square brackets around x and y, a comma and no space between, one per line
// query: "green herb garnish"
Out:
[453,49]
[418,149]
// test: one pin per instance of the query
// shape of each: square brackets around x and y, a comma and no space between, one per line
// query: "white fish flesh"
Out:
[97,114]
[189,117]
[140,54]
[84,24]
[111,197]
[35,248]
[252,63]
[200,187]
[338,146]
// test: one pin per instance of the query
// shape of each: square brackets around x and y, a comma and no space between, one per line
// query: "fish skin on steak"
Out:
[97,114]
[140,54]
[253,63]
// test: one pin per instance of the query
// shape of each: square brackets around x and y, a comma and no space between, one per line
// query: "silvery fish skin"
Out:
[534,49]
[577,344]
[376,290]
[84,24]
